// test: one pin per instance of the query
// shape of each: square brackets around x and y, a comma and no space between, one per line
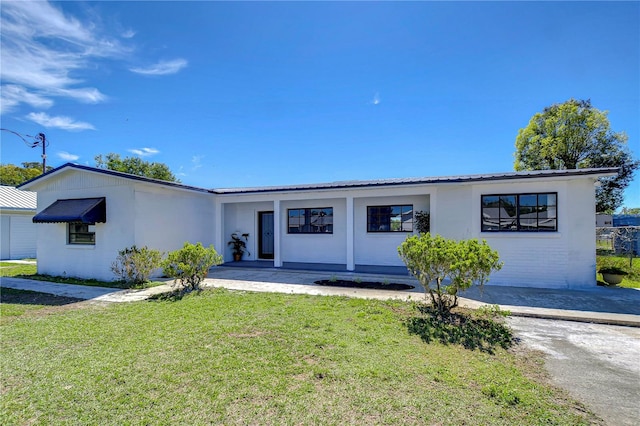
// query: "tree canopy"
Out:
[13,175]
[575,135]
[135,166]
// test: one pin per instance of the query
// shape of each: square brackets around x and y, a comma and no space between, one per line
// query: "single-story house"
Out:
[541,222]
[17,231]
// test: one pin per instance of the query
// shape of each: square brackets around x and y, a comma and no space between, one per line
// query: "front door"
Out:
[265,235]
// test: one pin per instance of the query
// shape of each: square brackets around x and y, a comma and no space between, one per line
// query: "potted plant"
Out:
[238,245]
[612,275]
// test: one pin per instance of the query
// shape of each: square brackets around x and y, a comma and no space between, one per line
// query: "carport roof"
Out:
[15,199]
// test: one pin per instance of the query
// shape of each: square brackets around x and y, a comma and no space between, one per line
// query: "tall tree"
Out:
[135,166]
[575,135]
[13,175]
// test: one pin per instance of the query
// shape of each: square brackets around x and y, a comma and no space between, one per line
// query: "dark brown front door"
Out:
[265,235]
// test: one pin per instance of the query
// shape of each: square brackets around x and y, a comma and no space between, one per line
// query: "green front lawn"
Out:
[225,357]
[20,270]
[10,269]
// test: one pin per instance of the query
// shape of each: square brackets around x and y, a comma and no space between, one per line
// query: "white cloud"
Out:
[128,34]
[144,152]
[40,49]
[60,122]
[12,95]
[162,68]
[67,156]
[196,160]
[376,99]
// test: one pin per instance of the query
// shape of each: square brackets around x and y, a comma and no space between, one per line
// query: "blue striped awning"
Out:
[79,210]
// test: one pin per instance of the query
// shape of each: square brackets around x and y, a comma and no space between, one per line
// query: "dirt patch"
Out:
[365,284]
[24,297]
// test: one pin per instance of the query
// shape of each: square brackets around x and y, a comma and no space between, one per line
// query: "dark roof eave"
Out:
[116,174]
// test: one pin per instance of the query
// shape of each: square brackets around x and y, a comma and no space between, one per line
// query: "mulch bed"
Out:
[365,284]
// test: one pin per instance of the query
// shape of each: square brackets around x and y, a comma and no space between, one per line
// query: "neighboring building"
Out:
[17,231]
[626,220]
[604,220]
[541,222]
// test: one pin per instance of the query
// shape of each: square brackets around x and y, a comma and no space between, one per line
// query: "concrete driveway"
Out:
[598,364]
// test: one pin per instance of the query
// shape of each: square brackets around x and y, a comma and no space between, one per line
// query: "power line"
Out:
[39,140]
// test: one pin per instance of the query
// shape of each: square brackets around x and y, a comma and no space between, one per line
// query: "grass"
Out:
[10,269]
[630,281]
[225,357]
[15,303]
[29,271]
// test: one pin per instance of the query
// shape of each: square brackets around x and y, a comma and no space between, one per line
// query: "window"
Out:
[390,218]
[317,220]
[81,233]
[520,212]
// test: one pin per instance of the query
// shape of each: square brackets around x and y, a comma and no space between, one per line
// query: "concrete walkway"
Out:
[617,306]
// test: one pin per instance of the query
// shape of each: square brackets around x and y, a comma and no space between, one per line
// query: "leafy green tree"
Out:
[190,265]
[631,210]
[444,266]
[575,135]
[13,175]
[135,166]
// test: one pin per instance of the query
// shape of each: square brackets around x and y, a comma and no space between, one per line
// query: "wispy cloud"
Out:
[128,34]
[144,152]
[13,95]
[67,156]
[162,67]
[196,162]
[60,122]
[41,47]
[376,99]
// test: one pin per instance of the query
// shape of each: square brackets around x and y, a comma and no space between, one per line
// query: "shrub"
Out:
[134,265]
[423,222]
[190,265]
[432,260]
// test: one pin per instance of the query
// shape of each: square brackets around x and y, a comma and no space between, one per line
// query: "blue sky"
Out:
[271,93]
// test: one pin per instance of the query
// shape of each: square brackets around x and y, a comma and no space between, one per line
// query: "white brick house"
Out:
[540,222]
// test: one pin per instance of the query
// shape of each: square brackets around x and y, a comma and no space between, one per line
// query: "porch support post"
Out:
[277,259]
[351,264]
[218,220]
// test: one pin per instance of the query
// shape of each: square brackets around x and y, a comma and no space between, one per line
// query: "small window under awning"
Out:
[79,210]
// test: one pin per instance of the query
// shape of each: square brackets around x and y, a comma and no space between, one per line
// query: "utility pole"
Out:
[40,140]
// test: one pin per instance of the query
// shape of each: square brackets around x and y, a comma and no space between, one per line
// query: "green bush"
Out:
[134,265]
[190,265]
[433,259]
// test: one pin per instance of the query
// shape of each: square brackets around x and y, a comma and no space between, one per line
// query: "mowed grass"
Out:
[14,303]
[29,271]
[225,357]
[10,269]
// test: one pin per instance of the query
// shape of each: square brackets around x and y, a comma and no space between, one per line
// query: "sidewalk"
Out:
[618,306]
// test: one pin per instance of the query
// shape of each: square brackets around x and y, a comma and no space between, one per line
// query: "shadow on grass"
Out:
[484,334]
[27,297]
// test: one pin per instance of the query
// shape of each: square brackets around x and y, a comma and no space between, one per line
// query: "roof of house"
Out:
[15,199]
[110,173]
[599,172]
[426,180]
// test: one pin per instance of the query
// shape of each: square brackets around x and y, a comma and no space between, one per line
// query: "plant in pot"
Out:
[612,275]
[238,245]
